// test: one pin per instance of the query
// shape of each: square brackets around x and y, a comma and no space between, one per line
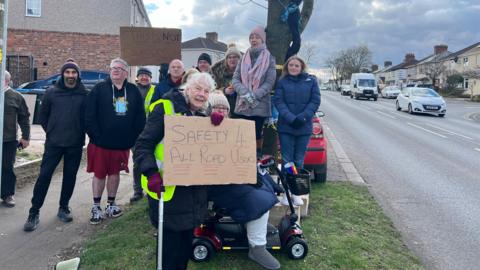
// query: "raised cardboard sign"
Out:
[141,46]
[198,153]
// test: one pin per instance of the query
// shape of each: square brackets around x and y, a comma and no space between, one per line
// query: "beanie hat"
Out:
[232,49]
[206,57]
[70,63]
[217,98]
[145,71]
[261,32]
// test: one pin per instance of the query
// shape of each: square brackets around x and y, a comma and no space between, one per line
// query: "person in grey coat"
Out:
[253,81]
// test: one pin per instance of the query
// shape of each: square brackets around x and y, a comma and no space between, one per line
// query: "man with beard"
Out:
[173,80]
[62,119]
[144,84]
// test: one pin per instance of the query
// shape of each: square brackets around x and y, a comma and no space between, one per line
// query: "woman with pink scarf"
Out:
[253,81]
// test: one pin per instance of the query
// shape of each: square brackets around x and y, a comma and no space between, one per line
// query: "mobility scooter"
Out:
[221,232]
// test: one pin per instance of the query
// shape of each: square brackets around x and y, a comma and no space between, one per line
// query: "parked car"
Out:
[390,92]
[345,90]
[89,79]
[316,156]
[421,100]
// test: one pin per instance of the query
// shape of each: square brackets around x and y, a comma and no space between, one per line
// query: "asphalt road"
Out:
[423,170]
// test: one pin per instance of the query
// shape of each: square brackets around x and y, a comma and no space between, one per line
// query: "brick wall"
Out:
[51,49]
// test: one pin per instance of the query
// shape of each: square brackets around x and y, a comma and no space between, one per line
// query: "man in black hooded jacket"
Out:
[62,119]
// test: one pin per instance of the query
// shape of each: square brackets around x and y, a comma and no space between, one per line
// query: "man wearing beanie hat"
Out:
[222,72]
[204,62]
[62,118]
[144,85]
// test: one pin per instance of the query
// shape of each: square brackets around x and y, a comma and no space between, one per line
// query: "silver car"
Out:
[390,92]
[421,100]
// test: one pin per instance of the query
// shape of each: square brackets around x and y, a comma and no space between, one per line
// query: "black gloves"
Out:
[298,122]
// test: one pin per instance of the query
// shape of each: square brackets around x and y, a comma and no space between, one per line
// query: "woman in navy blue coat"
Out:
[297,98]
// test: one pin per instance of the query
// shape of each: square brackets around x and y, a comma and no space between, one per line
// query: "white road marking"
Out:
[386,114]
[451,132]
[477,149]
[427,130]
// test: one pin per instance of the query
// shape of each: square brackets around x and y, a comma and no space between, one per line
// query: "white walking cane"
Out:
[160,232]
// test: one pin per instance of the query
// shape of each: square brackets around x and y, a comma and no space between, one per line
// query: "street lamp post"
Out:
[3,53]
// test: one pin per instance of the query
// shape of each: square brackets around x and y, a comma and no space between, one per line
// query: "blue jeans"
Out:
[293,148]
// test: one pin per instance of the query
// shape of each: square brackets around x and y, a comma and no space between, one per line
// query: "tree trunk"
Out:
[278,33]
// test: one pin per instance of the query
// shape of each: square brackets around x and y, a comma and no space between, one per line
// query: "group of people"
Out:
[120,117]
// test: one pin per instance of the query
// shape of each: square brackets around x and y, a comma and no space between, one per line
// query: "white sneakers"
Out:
[296,200]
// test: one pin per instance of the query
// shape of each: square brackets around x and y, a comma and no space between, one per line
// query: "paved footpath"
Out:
[44,247]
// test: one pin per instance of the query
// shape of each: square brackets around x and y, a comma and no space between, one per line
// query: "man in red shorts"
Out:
[114,118]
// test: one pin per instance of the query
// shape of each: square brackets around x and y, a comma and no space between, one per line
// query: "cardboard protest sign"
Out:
[198,153]
[141,46]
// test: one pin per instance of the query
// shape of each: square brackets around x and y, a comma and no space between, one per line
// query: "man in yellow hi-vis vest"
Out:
[144,85]
[185,206]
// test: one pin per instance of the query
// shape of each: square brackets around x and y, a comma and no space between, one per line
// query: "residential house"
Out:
[397,75]
[380,73]
[46,33]
[430,67]
[466,62]
[209,44]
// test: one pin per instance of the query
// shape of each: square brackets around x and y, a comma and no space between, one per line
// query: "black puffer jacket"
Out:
[188,207]
[62,115]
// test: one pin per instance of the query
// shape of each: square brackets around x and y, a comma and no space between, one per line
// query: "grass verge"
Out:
[346,229]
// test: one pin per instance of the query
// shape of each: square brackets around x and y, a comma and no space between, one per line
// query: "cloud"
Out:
[391,28]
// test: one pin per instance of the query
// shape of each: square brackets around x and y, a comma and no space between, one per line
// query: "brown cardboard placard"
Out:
[141,46]
[198,153]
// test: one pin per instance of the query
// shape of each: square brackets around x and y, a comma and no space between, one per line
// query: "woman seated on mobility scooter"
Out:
[245,203]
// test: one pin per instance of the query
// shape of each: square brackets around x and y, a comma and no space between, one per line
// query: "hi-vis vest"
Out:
[148,99]
[169,190]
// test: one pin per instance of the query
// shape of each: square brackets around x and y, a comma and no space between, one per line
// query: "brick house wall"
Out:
[50,49]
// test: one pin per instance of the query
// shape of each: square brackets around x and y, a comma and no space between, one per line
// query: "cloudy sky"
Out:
[390,28]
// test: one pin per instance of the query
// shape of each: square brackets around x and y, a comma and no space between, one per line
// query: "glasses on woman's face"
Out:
[220,109]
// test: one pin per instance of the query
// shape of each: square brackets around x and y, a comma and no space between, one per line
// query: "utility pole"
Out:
[3,54]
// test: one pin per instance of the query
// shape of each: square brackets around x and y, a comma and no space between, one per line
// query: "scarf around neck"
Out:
[252,73]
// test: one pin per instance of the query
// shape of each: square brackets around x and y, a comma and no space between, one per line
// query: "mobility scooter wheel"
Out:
[297,248]
[202,250]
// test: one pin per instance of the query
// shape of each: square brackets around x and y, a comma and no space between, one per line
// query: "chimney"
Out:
[374,68]
[409,58]
[213,36]
[438,49]
[387,63]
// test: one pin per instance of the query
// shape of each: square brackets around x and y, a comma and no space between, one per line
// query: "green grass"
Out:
[346,229]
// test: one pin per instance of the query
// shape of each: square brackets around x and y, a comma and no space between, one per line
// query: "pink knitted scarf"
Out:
[251,75]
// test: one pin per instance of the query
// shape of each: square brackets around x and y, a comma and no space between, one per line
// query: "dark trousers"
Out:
[137,176]
[51,157]
[177,245]
[293,148]
[8,176]
[294,25]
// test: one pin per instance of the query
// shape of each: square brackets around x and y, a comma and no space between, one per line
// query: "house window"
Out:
[33,8]
[465,61]
[465,83]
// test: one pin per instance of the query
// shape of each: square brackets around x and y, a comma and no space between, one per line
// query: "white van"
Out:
[363,85]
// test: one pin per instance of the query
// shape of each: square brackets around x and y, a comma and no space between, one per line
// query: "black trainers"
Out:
[64,214]
[32,222]
[136,197]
